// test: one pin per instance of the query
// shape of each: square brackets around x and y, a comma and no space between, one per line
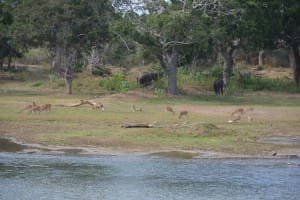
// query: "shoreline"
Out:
[29,148]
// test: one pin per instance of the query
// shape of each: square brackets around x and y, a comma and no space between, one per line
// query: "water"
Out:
[42,176]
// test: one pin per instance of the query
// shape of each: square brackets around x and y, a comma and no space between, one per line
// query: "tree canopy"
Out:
[174,32]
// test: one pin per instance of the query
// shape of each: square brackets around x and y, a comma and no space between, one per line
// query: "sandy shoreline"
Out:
[30,148]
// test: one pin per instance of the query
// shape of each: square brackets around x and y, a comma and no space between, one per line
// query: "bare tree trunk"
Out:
[227,55]
[1,63]
[68,71]
[261,55]
[9,62]
[56,64]
[171,60]
[294,59]
[93,59]
[69,79]
[194,63]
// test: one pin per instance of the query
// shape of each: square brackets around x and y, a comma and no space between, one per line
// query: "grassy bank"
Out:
[206,126]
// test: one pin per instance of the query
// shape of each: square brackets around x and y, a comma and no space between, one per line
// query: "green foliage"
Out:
[117,83]
[56,82]
[186,75]
[215,71]
[37,83]
[257,83]
[159,91]
[260,67]
[35,56]
[77,67]
[77,23]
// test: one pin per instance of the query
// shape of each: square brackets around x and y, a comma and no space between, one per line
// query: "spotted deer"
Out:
[29,106]
[183,113]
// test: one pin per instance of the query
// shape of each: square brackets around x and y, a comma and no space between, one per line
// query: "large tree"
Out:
[8,47]
[225,28]
[165,28]
[273,24]
[66,26]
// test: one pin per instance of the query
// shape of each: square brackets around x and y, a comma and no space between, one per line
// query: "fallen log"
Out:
[82,102]
[139,125]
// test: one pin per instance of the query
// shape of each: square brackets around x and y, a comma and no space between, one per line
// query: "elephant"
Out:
[218,86]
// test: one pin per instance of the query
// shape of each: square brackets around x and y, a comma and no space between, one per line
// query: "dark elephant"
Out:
[218,86]
[146,79]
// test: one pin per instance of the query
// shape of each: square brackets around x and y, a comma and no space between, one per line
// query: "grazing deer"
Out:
[169,109]
[36,109]
[250,119]
[134,109]
[45,107]
[239,111]
[183,113]
[237,118]
[97,106]
[28,107]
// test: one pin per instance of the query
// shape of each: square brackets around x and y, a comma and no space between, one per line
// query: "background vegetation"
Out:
[183,41]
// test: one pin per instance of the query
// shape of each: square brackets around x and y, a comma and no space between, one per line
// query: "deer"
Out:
[183,113]
[45,107]
[29,106]
[169,109]
[135,109]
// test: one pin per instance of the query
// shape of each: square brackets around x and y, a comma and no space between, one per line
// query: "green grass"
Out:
[83,126]
[205,128]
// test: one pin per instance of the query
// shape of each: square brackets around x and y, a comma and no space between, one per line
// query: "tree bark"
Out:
[1,63]
[294,59]
[227,55]
[69,73]
[9,59]
[261,55]
[56,64]
[170,60]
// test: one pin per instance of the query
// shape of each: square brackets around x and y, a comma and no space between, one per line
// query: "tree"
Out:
[164,28]
[8,48]
[275,23]
[67,26]
[289,35]
[225,25]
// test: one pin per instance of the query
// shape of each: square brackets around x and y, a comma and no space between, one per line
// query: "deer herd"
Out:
[34,108]
[236,115]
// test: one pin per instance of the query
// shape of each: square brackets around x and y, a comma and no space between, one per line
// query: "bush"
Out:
[159,91]
[215,71]
[37,84]
[118,83]
[260,67]
[56,82]
[77,67]
[257,83]
[35,57]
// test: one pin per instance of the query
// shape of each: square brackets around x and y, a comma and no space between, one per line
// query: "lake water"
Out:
[41,176]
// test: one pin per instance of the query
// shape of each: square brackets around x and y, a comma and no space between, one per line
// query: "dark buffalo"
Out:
[146,79]
[218,86]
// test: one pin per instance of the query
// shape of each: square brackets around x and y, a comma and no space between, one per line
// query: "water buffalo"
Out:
[146,79]
[218,86]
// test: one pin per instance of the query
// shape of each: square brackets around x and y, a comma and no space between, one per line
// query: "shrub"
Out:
[215,71]
[77,67]
[37,84]
[118,83]
[159,91]
[257,83]
[56,82]
[260,67]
